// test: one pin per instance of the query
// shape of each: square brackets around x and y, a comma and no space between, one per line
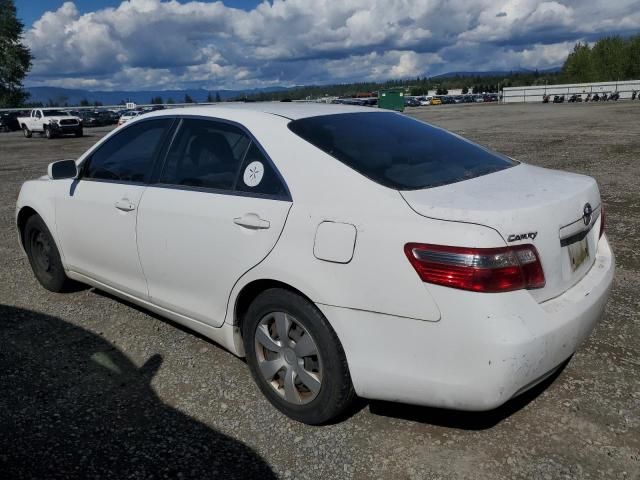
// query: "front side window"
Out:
[128,156]
[205,154]
[397,151]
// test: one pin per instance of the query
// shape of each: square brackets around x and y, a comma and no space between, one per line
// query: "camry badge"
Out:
[522,236]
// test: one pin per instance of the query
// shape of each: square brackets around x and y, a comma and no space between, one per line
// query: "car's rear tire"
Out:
[79,133]
[296,358]
[44,256]
[26,132]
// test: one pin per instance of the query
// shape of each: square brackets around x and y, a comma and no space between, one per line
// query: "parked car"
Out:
[9,122]
[436,101]
[109,117]
[93,118]
[426,100]
[458,99]
[126,116]
[436,272]
[411,102]
[50,122]
[491,97]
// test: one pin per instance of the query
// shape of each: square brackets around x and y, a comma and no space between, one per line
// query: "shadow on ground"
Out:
[464,420]
[73,406]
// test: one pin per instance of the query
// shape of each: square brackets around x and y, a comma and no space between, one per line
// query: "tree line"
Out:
[609,59]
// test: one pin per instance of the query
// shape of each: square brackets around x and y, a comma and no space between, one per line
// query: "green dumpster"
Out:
[391,99]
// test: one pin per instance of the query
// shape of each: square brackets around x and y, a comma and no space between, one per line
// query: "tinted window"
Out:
[205,154]
[258,176]
[398,151]
[129,155]
[54,113]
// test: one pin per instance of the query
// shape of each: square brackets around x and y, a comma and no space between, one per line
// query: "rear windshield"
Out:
[398,151]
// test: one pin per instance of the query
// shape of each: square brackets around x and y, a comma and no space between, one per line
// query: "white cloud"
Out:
[167,44]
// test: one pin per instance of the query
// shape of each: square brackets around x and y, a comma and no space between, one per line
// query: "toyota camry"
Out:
[342,250]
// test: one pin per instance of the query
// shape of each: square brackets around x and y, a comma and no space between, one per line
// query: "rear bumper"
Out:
[486,348]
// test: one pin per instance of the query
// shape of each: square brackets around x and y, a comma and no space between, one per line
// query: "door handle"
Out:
[125,205]
[252,221]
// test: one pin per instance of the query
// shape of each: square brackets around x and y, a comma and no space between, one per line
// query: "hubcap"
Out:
[288,358]
[41,251]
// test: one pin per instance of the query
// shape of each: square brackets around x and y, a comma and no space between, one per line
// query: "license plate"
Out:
[578,253]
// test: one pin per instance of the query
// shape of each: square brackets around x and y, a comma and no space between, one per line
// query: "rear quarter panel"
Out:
[379,277]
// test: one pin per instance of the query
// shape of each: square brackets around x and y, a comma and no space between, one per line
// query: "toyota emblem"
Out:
[587,211]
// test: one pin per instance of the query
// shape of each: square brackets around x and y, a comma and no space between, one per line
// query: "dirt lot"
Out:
[94,387]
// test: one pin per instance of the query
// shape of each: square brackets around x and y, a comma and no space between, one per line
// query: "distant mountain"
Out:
[75,96]
[62,96]
[495,73]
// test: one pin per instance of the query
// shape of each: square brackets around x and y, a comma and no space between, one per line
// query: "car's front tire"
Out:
[79,133]
[44,256]
[296,358]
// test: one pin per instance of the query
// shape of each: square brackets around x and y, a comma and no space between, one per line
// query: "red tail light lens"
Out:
[477,269]
[602,224]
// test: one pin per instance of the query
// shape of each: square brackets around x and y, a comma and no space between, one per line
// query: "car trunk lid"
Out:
[527,205]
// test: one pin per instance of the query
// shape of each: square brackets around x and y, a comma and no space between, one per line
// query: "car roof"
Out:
[289,110]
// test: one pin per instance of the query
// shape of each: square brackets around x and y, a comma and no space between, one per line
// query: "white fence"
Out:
[535,93]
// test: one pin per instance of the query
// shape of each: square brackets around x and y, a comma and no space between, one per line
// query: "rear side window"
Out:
[397,151]
[257,175]
[128,156]
[205,154]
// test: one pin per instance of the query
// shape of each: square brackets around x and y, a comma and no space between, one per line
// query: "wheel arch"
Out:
[24,214]
[251,290]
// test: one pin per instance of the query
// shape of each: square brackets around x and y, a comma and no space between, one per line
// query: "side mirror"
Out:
[62,169]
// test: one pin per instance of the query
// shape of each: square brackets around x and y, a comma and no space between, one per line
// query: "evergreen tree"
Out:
[15,58]
[209,98]
[187,98]
[218,99]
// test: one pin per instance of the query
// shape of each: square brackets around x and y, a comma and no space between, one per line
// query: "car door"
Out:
[36,116]
[217,210]
[96,215]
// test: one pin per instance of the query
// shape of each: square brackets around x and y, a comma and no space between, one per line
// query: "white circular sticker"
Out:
[253,174]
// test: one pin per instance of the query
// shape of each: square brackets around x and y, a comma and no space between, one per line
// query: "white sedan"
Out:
[344,251]
[126,116]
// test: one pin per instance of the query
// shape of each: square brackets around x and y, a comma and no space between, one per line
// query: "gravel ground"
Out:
[95,387]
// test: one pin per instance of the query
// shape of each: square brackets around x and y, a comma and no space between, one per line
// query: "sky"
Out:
[160,44]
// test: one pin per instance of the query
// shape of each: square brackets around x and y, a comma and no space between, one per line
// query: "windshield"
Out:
[398,151]
[54,113]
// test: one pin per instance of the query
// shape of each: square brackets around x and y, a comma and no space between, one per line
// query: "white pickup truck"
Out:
[51,123]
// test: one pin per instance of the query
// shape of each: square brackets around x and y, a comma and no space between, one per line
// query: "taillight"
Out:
[477,269]
[602,225]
